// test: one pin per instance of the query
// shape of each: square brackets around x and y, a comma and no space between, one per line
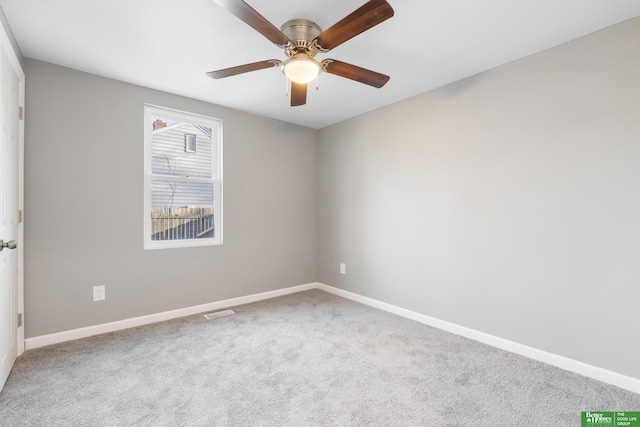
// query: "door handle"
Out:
[11,244]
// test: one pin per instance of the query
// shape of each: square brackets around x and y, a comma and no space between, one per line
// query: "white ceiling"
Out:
[169,45]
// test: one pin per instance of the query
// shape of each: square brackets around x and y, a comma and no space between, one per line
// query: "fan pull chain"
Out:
[287,83]
[317,80]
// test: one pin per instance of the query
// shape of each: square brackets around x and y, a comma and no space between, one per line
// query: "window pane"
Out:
[181,149]
[181,210]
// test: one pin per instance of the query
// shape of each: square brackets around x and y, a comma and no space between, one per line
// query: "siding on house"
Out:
[170,158]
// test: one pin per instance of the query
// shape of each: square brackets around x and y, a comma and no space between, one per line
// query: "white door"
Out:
[10,94]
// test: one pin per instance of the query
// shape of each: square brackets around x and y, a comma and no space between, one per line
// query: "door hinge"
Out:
[19,320]
[20,113]
[20,216]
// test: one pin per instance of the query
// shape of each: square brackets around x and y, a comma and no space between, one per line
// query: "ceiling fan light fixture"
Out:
[301,70]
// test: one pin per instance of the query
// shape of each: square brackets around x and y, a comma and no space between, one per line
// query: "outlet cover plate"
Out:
[98,293]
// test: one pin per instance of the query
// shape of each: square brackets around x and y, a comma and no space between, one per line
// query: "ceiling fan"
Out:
[302,39]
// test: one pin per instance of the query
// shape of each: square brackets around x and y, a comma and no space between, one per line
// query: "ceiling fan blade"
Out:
[298,94]
[354,72]
[367,16]
[249,16]
[240,69]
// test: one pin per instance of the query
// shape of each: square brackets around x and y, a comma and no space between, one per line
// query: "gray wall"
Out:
[508,202]
[84,206]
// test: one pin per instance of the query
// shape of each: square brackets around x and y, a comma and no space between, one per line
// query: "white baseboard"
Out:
[590,371]
[581,368]
[74,334]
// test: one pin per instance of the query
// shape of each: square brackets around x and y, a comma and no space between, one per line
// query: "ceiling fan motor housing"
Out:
[302,32]
[301,29]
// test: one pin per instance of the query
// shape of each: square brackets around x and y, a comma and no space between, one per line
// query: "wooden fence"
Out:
[181,223]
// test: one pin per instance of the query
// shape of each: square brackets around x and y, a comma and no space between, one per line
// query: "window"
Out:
[183,179]
[190,142]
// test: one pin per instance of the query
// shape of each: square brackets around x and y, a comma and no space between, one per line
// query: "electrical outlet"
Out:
[343,268]
[98,293]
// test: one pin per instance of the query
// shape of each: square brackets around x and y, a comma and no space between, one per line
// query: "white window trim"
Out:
[216,127]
